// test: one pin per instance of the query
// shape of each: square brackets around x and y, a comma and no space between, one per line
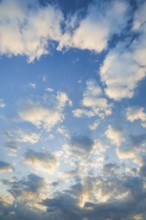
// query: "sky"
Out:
[72,110]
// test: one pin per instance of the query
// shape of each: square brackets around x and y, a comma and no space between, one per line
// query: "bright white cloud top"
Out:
[72,110]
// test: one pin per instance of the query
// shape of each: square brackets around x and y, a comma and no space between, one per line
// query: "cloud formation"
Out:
[95,30]
[121,73]
[136,113]
[26,28]
[45,115]
[94,103]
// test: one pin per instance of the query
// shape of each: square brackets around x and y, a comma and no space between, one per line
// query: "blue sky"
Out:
[72,110]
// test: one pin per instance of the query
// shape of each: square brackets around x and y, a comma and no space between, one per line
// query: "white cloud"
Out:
[115,135]
[26,137]
[94,125]
[45,115]
[94,31]
[93,102]
[26,30]
[136,113]
[125,66]
[121,73]
[63,131]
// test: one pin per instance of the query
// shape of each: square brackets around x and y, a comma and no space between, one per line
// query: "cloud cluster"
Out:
[121,73]
[95,30]
[45,115]
[26,28]
[125,65]
[94,103]
[136,113]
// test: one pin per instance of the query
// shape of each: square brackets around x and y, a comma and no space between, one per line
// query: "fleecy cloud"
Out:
[93,102]
[136,113]
[26,30]
[121,73]
[45,115]
[95,30]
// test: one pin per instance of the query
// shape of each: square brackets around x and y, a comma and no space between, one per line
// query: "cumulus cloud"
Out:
[136,113]
[18,136]
[124,66]
[45,115]
[94,103]
[26,28]
[5,167]
[121,73]
[95,30]
[115,135]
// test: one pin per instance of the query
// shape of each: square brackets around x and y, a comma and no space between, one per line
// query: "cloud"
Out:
[2,103]
[45,115]
[81,143]
[125,65]
[121,73]
[136,113]
[95,30]
[40,161]
[115,135]
[14,137]
[5,167]
[26,137]
[94,103]
[20,30]
[139,26]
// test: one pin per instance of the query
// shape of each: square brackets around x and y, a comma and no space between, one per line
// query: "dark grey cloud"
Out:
[64,205]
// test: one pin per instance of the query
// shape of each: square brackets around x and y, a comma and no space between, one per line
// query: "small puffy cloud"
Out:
[115,135]
[20,31]
[95,30]
[14,137]
[124,66]
[45,115]
[23,136]
[136,113]
[93,102]
[121,74]
[2,103]
[33,85]
[94,125]
[40,160]
[5,167]
[63,131]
